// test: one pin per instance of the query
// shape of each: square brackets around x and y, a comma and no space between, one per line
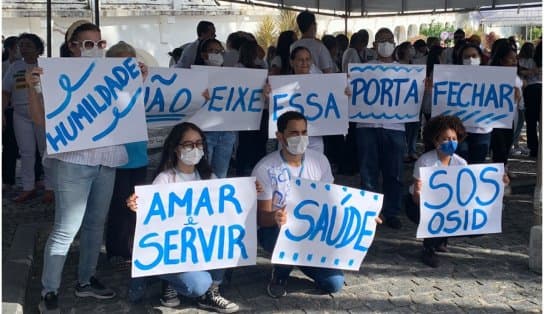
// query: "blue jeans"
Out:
[475,147]
[327,279]
[190,284]
[381,150]
[82,197]
[220,146]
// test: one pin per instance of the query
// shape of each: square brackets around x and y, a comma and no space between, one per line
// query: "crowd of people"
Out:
[93,189]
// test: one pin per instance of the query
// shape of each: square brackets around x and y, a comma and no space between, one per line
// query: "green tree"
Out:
[434,29]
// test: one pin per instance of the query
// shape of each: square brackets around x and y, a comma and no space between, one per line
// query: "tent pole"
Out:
[48,23]
[97,12]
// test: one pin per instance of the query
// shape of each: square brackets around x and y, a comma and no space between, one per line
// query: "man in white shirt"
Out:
[320,54]
[274,172]
[205,30]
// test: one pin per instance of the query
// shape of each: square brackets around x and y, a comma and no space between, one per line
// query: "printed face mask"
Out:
[215,59]
[448,147]
[386,49]
[94,52]
[471,61]
[191,157]
[297,145]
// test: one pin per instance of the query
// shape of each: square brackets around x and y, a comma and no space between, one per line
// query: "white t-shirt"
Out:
[276,62]
[14,83]
[350,56]
[274,174]
[320,54]
[430,159]
[173,176]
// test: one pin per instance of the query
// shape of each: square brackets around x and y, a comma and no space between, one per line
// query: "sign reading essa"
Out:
[461,200]
[198,225]
[92,103]
[171,95]
[236,99]
[480,96]
[319,97]
[328,225]
[385,93]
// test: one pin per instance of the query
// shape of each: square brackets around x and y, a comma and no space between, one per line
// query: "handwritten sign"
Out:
[92,103]
[197,225]
[236,99]
[327,225]
[480,96]
[461,200]
[385,93]
[172,95]
[320,98]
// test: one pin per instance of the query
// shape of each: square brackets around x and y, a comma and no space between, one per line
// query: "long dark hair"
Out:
[501,48]
[466,46]
[248,54]
[203,47]
[169,157]
[433,58]
[64,50]
[285,40]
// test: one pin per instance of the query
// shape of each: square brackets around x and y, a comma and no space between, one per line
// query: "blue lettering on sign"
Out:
[184,202]
[475,95]
[384,92]
[235,99]
[465,218]
[156,103]
[351,232]
[91,105]
[312,105]
[192,245]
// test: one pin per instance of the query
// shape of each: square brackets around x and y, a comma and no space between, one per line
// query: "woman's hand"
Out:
[280,216]
[144,69]
[206,94]
[131,202]
[267,90]
[259,187]
[506,179]
[347,91]
[32,76]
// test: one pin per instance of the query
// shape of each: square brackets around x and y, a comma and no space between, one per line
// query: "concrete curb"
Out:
[17,267]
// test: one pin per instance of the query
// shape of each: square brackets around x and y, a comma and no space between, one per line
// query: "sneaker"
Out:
[94,289]
[169,295]
[393,222]
[430,258]
[213,301]
[49,304]
[276,287]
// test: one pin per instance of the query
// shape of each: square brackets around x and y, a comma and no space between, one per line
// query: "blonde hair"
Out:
[120,48]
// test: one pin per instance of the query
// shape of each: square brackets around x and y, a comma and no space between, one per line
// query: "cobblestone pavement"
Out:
[484,274]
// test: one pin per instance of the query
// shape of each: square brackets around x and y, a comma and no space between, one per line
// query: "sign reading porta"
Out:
[461,200]
[328,225]
[92,103]
[198,225]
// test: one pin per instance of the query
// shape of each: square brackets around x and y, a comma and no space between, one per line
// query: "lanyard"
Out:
[287,166]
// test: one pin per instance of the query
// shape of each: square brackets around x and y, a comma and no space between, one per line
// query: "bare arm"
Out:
[35,100]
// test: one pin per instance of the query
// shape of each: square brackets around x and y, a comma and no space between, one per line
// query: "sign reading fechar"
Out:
[197,225]
[236,99]
[461,200]
[172,95]
[321,98]
[481,96]
[92,103]
[328,225]
[385,92]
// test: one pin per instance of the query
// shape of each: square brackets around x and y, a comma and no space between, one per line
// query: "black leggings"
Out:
[412,211]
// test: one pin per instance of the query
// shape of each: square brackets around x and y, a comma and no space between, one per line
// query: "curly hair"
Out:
[437,125]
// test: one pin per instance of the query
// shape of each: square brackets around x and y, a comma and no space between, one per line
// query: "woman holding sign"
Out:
[184,159]
[83,185]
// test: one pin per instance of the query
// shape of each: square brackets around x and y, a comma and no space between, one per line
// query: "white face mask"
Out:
[191,157]
[297,145]
[95,52]
[215,59]
[386,49]
[471,61]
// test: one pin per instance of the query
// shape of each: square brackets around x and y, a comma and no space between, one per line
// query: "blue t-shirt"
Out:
[137,155]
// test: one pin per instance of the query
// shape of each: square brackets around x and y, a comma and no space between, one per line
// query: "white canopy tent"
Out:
[363,8]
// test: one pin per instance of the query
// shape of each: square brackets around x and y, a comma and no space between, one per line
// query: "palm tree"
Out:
[267,33]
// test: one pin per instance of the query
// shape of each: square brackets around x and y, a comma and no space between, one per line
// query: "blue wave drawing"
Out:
[385,68]
[477,116]
[148,120]
[163,80]
[383,116]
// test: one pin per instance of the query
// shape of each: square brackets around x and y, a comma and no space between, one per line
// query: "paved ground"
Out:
[486,274]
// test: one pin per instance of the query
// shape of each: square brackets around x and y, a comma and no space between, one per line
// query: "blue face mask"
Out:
[448,147]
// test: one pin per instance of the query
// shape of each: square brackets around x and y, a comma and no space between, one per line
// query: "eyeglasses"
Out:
[188,145]
[89,44]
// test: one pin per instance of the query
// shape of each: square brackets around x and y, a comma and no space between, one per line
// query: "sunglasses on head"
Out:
[89,44]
